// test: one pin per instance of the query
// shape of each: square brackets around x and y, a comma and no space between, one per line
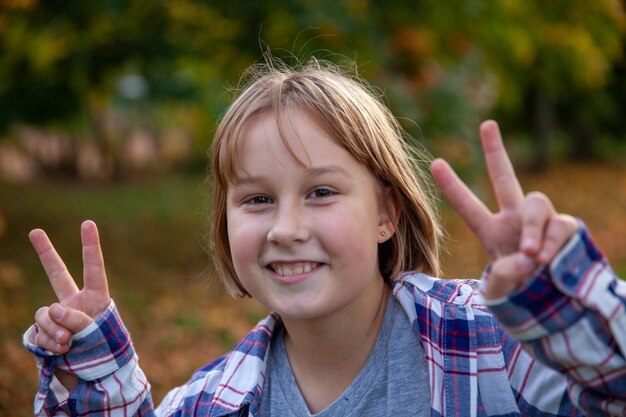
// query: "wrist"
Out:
[68,380]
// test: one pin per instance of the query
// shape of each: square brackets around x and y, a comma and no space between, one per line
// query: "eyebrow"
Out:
[311,172]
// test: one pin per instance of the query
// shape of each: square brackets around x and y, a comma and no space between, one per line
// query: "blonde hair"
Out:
[356,118]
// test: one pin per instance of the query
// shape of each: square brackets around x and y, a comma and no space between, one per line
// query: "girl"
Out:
[321,214]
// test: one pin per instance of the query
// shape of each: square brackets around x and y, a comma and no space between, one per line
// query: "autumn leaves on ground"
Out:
[153,237]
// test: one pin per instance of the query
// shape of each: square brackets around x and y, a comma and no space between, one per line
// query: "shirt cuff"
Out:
[559,293]
[96,351]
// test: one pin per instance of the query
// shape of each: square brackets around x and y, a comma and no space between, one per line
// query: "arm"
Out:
[572,317]
[103,367]
[524,237]
[86,360]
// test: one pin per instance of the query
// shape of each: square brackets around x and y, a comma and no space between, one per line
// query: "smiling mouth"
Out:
[293,268]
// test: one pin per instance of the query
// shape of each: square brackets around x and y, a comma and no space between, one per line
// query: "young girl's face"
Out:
[304,237]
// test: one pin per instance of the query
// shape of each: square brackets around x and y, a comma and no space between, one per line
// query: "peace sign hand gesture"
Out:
[76,308]
[527,231]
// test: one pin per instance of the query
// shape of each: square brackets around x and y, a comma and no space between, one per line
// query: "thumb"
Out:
[508,273]
[70,318]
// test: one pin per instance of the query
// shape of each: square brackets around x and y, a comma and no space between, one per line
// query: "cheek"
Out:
[246,239]
[239,245]
[353,236]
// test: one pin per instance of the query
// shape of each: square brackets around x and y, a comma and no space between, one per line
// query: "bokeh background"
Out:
[107,109]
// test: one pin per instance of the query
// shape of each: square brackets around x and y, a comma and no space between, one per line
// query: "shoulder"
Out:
[253,346]
[450,313]
[229,381]
[428,302]
[250,350]
[462,292]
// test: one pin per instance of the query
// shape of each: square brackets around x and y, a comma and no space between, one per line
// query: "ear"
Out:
[388,215]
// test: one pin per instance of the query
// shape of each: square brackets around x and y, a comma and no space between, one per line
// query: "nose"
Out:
[288,225]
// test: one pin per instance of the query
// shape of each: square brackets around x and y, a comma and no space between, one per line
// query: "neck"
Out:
[326,354]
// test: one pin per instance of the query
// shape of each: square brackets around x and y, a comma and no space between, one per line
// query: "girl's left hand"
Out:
[527,231]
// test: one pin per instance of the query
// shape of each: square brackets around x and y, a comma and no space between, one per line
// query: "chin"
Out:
[301,311]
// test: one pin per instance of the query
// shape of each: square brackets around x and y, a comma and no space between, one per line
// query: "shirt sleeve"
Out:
[110,382]
[571,317]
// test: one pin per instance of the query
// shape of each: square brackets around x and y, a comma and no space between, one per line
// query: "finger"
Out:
[508,273]
[54,331]
[536,211]
[69,318]
[473,212]
[45,336]
[45,341]
[62,282]
[505,185]
[94,274]
[558,232]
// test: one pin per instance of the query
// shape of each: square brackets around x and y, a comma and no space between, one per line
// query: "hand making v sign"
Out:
[527,231]
[76,308]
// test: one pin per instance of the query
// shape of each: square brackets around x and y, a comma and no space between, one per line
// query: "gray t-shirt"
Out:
[393,382]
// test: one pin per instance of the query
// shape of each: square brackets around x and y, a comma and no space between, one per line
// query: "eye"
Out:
[320,193]
[257,200]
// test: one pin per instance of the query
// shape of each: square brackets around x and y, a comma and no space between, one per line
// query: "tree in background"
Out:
[105,68]
[97,69]
[554,61]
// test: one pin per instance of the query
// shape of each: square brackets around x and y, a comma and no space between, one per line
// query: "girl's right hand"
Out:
[76,308]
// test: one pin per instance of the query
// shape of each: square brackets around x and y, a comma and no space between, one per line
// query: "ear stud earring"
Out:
[383,233]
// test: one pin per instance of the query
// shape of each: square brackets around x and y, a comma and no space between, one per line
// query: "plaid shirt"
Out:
[571,317]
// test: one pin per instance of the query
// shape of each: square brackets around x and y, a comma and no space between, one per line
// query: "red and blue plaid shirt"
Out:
[571,317]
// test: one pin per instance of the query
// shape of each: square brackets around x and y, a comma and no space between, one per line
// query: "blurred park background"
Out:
[107,109]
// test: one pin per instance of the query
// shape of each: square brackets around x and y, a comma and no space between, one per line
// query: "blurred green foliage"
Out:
[540,67]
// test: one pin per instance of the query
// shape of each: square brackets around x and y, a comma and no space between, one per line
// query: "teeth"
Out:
[286,269]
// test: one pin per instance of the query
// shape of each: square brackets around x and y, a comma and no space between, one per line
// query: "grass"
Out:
[153,237]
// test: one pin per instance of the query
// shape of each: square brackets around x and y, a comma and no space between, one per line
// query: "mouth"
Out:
[287,269]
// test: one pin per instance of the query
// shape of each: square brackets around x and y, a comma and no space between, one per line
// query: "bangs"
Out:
[279,96]
[229,163]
